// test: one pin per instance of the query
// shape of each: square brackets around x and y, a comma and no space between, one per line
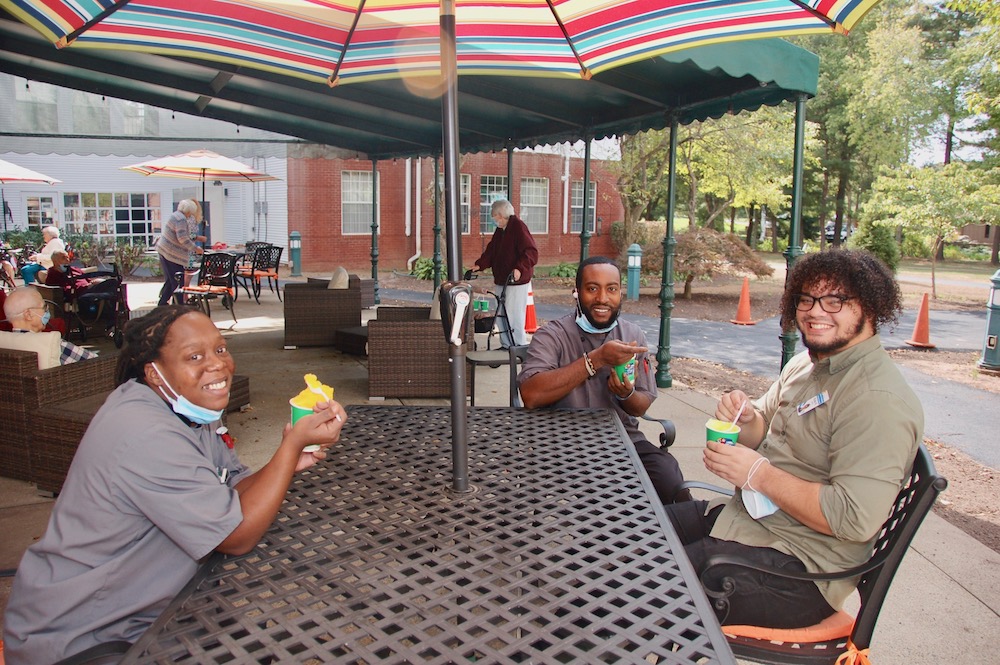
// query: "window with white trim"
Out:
[535,204]
[465,199]
[131,216]
[576,207]
[356,202]
[491,188]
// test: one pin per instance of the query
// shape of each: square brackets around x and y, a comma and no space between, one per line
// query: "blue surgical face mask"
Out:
[184,407]
[63,268]
[46,316]
[585,324]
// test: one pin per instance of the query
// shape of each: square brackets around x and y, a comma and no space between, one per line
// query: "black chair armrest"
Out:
[729,560]
[669,432]
[697,484]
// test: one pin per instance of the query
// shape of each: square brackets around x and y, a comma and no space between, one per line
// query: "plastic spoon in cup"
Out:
[738,414]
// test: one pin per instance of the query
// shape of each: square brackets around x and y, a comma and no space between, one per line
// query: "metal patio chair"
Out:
[264,263]
[216,279]
[840,633]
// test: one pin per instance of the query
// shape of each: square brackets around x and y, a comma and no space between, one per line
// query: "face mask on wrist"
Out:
[757,504]
[184,407]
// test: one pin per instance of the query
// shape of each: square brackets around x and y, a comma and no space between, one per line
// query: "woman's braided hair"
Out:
[858,274]
[144,337]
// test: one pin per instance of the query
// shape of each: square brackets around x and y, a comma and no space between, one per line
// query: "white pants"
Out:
[516,304]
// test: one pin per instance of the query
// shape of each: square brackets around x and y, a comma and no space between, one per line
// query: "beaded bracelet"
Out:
[589,364]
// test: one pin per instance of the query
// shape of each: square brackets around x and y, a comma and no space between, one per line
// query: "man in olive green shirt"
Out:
[820,457]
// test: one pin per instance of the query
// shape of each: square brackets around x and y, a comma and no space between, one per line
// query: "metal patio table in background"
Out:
[561,553]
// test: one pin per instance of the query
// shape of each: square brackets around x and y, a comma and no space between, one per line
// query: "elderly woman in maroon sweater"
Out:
[510,253]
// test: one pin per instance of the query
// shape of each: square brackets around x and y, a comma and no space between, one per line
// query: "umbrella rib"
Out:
[823,17]
[585,73]
[71,37]
[332,81]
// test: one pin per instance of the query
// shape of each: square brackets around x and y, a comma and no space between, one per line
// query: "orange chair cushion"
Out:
[834,627]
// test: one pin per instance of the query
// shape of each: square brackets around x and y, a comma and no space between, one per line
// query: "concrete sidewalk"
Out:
[944,603]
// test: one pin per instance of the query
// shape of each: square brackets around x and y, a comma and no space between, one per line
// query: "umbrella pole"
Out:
[449,113]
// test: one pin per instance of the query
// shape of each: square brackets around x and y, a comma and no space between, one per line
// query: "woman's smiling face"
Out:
[195,362]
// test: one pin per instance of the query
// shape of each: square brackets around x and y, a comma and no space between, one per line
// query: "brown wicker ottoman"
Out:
[353,340]
[63,425]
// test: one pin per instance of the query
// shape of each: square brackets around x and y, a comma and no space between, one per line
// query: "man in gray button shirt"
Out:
[570,362]
[820,457]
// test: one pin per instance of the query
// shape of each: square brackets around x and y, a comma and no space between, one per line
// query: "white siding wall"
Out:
[232,203]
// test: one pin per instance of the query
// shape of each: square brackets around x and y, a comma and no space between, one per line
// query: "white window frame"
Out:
[576,206]
[465,199]
[535,204]
[491,188]
[355,197]
[103,214]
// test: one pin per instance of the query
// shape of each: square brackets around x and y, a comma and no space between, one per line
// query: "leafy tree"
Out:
[935,201]
[641,175]
[701,253]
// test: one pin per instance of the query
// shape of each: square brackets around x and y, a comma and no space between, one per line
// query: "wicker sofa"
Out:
[28,395]
[408,355]
[46,413]
[59,432]
[313,313]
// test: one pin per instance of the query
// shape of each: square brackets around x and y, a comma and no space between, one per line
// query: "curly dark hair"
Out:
[144,337]
[858,274]
[591,261]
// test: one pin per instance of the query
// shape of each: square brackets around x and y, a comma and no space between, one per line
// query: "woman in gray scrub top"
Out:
[154,488]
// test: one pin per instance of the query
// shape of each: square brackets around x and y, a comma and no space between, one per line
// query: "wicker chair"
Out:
[29,395]
[313,313]
[61,428]
[408,355]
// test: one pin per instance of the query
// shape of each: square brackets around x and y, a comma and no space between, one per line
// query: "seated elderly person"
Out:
[25,311]
[70,279]
[43,258]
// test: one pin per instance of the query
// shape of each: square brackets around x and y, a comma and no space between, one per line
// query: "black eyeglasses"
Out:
[831,304]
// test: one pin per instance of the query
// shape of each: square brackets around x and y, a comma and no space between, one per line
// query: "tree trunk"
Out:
[687,287]
[995,254]
[838,218]
[750,225]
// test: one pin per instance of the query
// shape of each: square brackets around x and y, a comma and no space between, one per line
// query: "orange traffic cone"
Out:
[922,328]
[530,322]
[743,309]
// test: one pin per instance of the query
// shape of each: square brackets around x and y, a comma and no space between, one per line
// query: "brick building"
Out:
[329,204]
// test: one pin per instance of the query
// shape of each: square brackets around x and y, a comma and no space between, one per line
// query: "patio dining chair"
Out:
[264,263]
[216,279]
[251,247]
[841,633]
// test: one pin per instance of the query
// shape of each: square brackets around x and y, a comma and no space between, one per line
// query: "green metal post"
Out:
[437,224]
[585,231]
[663,378]
[378,298]
[788,336]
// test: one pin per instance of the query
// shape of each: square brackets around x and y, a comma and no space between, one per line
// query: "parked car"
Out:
[828,232]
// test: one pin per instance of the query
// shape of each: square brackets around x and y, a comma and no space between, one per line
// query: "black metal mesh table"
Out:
[558,555]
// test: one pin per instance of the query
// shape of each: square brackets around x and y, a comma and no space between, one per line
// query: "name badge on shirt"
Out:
[810,404]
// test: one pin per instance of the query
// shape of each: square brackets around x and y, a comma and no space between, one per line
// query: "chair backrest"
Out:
[217,269]
[518,353]
[253,245]
[912,504]
[272,255]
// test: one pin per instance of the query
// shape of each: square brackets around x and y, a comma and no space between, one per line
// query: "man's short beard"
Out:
[834,346]
[614,316]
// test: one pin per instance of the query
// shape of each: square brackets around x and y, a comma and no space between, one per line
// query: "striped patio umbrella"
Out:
[356,40]
[13,173]
[339,41]
[200,165]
